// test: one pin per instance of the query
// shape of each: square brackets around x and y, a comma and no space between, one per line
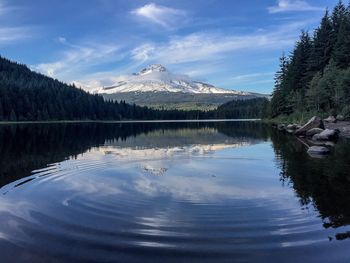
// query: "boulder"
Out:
[313,131]
[314,122]
[329,143]
[291,127]
[318,151]
[340,117]
[331,119]
[281,127]
[326,135]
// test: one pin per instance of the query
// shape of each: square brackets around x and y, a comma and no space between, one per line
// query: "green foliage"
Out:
[317,76]
[253,108]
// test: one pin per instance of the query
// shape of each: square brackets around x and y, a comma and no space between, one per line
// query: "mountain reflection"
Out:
[25,148]
[156,147]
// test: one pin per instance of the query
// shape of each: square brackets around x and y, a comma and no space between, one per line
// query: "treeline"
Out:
[315,78]
[243,109]
[29,96]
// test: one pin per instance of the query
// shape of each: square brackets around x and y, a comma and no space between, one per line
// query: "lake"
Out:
[170,192]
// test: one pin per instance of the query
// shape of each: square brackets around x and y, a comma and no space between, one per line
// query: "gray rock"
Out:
[329,143]
[313,131]
[326,135]
[340,117]
[318,151]
[331,119]
[281,127]
[291,127]
[314,122]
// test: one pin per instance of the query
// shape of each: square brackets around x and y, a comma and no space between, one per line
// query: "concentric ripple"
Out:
[196,203]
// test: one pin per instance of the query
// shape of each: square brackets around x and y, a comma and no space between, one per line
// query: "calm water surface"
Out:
[176,192]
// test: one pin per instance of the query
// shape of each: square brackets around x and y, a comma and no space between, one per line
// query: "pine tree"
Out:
[322,46]
[341,53]
[297,77]
[278,100]
[338,15]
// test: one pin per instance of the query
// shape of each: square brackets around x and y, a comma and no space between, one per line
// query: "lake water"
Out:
[170,192]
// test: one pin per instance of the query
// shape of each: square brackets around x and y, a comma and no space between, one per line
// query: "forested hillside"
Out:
[29,96]
[315,77]
[26,95]
[253,108]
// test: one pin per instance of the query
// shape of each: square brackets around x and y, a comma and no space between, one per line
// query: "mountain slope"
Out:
[152,87]
[156,78]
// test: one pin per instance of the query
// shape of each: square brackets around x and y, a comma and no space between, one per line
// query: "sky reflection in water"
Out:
[197,193]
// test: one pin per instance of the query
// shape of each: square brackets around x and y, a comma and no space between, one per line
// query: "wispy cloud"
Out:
[206,46]
[252,76]
[10,34]
[78,57]
[210,49]
[3,8]
[164,16]
[292,5]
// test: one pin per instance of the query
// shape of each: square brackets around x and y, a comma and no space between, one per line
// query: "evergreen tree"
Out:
[297,77]
[323,85]
[322,46]
[278,100]
[338,15]
[341,53]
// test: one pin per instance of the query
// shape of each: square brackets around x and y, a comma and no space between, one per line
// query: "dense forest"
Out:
[29,96]
[315,77]
[244,109]
[26,95]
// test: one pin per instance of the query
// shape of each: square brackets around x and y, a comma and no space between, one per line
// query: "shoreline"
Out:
[342,126]
[123,121]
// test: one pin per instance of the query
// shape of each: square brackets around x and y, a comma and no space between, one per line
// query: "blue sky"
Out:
[229,43]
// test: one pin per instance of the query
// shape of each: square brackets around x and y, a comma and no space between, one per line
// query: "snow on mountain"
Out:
[156,78]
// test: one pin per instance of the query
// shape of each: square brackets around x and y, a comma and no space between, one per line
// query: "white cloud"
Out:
[3,8]
[62,40]
[253,77]
[292,5]
[165,16]
[12,34]
[210,49]
[208,46]
[77,58]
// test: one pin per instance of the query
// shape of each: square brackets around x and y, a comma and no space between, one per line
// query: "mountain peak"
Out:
[152,68]
[156,78]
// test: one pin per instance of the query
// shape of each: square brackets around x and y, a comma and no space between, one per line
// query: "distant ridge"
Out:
[156,78]
[152,85]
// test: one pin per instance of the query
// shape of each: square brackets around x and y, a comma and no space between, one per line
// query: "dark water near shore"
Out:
[170,192]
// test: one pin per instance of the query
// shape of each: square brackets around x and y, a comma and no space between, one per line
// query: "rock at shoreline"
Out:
[326,135]
[291,127]
[314,122]
[340,117]
[313,131]
[318,151]
[281,127]
[331,119]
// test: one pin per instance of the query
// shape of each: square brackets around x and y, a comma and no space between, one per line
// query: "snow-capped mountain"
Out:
[156,78]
